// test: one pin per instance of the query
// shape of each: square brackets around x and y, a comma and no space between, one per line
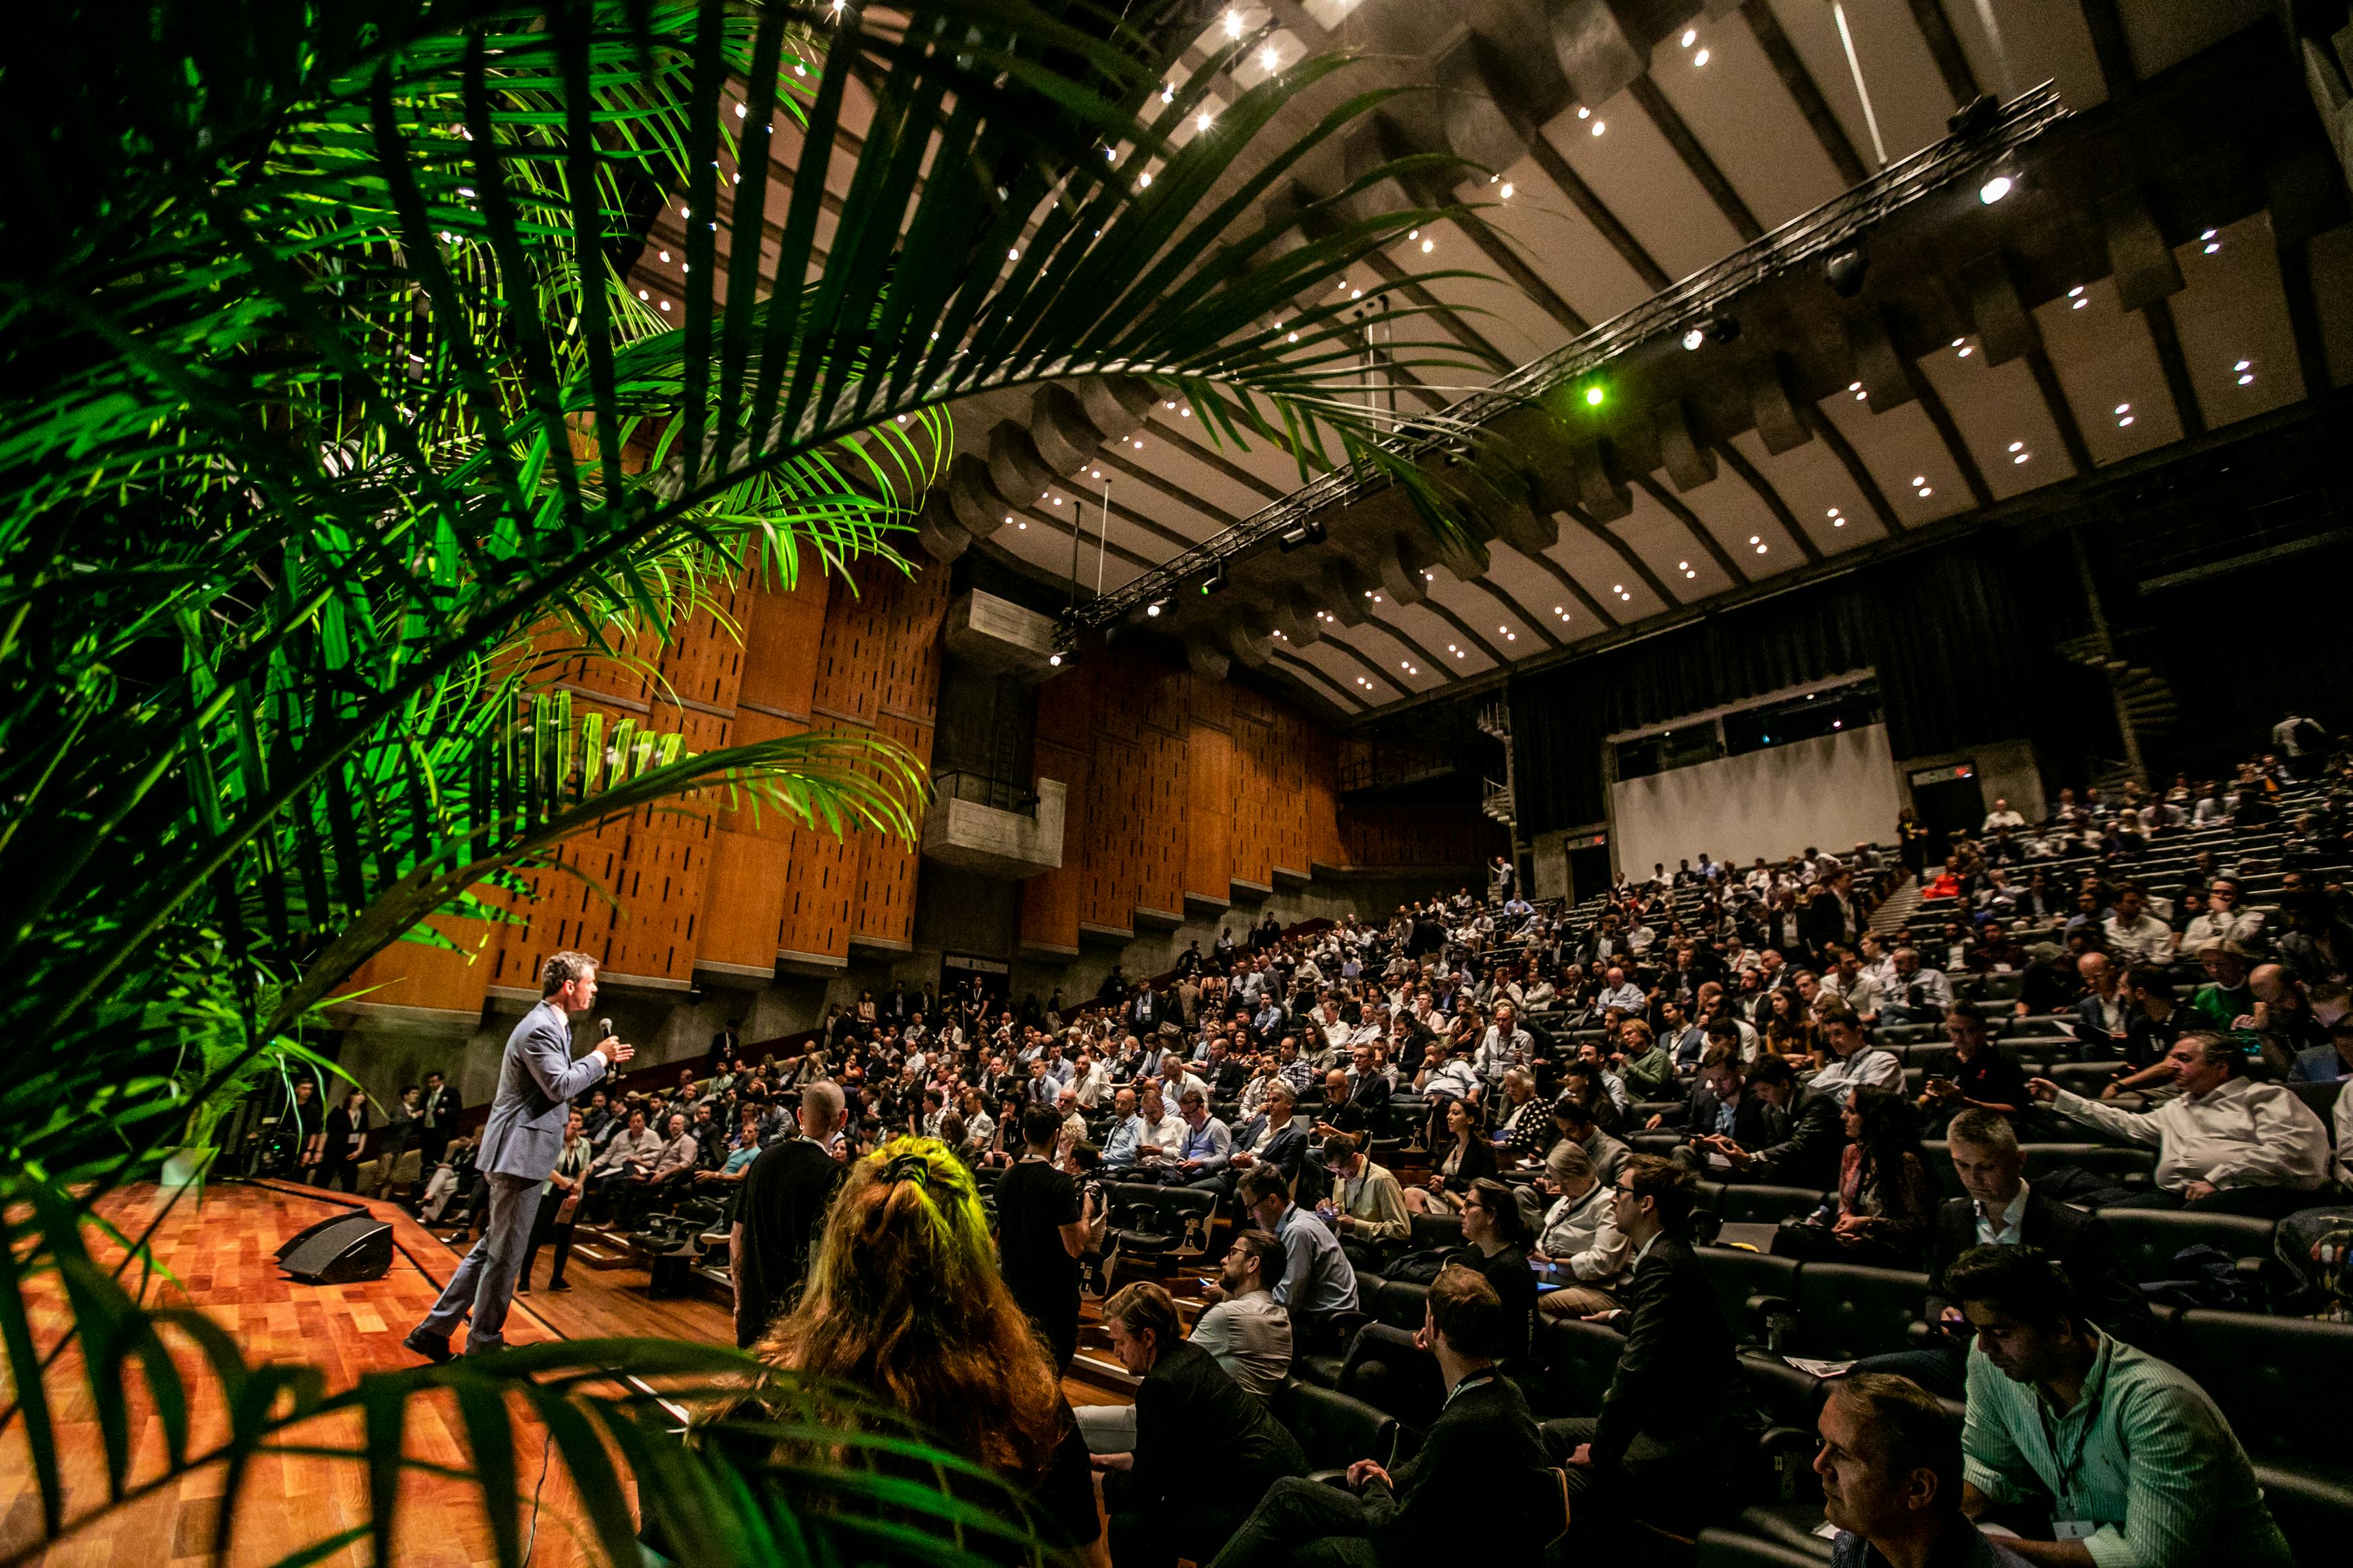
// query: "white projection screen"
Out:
[1833,793]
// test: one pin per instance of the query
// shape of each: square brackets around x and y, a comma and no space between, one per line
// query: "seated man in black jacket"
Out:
[1205,1450]
[1479,1491]
[2003,1210]
[1721,1104]
[1812,1140]
[1678,1429]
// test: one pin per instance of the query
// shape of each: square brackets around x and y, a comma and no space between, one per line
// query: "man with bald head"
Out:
[783,1198]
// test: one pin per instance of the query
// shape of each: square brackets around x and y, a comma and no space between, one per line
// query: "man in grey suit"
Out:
[521,1142]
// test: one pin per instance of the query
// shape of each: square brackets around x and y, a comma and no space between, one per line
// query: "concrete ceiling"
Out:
[2184,218]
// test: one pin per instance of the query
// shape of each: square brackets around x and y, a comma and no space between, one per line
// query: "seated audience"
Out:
[1973,1075]
[1365,1205]
[1890,1464]
[2132,1459]
[1477,1490]
[1317,1280]
[1677,1427]
[1812,1141]
[2224,1143]
[1851,1058]
[1499,1240]
[1205,1450]
[1579,1248]
[1272,1137]
[1886,1202]
[1468,1157]
[2003,1210]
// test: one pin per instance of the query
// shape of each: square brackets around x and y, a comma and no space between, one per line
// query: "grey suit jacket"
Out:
[537,1080]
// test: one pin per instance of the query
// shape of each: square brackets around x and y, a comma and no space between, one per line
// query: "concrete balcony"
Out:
[998,830]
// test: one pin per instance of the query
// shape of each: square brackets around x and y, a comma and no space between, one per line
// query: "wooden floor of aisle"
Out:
[220,1252]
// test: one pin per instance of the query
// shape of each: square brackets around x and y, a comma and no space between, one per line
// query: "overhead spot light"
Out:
[1428,245]
[1843,270]
[1155,607]
[1215,583]
[1599,128]
[1700,58]
[1694,337]
[1233,22]
[1268,58]
[1202,120]
[1308,533]
[1583,112]
[1508,189]
[1993,190]
[1691,35]
[1593,396]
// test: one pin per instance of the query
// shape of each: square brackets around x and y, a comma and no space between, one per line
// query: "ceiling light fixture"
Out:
[1599,128]
[1993,190]
[1700,58]
[1843,270]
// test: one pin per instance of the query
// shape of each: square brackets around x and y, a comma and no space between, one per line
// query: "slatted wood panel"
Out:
[411,975]
[752,866]
[884,911]
[1417,834]
[1065,751]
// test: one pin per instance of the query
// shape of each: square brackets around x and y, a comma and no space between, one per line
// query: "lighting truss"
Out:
[1669,313]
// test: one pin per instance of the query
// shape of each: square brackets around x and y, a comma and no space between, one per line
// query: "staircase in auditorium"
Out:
[1895,909]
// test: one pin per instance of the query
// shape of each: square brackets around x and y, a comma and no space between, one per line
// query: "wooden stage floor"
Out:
[221,1254]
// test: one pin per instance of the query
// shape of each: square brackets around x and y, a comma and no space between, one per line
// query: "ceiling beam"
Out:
[2055,404]
[1772,497]
[1513,607]
[2114,48]
[1061,528]
[1209,457]
[1698,530]
[1445,612]
[1696,158]
[1567,580]
[1524,278]
[1356,703]
[1938,29]
[1373,667]
[1634,564]
[1799,83]
[1454,325]
[1942,418]
[2303,312]
[1858,472]
[1429,654]
[1582,197]
[2159,314]
[1176,492]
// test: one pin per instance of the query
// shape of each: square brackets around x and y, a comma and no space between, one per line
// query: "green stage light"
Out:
[1593,396]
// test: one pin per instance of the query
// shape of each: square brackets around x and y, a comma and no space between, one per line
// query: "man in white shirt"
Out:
[1503,1047]
[1162,1138]
[1853,1062]
[2224,919]
[2001,816]
[1618,993]
[1848,983]
[2224,1144]
[1248,1334]
[1920,995]
[2133,934]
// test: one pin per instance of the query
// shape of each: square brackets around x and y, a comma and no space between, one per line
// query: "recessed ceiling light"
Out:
[2125,421]
[1599,128]
[1959,341]
[1761,549]
[2021,457]
[2076,293]
[1965,353]
[2245,379]
[2209,234]
[2018,446]
[2213,246]
[741,112]
[2243,364]
[1507,189]
[1682,565]
[1690,34]
[1854,387]
[1993,190]
[1919,479]
[1686,574]
[1693,339]
[1924,493]
[1700,58]
[1583,112]
[1268,58]
[2123,408]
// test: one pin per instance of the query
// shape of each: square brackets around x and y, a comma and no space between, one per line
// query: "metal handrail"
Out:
[1688,303]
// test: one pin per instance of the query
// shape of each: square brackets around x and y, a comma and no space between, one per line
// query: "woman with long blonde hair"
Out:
[904,1300]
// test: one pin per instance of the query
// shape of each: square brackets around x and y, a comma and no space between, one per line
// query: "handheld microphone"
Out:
[604,1028]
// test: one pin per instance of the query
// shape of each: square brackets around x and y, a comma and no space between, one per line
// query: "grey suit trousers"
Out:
[485,1280]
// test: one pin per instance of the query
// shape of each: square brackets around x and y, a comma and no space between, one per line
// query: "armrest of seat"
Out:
[1765,1310]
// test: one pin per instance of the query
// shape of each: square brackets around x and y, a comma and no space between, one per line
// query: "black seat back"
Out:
[1737,1275]
[2279,1380]
[1334,1430]
[1846,1311]
[1432,1232]
[2149,1238]
[1749,1203]
[1399,1303]
[1579,1358]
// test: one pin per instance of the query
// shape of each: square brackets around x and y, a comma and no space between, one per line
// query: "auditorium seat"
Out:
[1399,1303]
[2319,1098]
[1846,1311]
[2149,1238]
[1739,1276]
[1753,1203]
[2128,1164]
[2280,1381]
[1578,1360]
[1434,1232]
[1392,1374]
[1718,1547]
[1334,1430]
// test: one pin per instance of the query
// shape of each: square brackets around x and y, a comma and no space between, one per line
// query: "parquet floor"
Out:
[220,1255]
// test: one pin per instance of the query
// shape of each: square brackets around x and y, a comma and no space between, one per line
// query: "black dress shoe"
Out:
[433,1347]
[523,1287]
[559,1285]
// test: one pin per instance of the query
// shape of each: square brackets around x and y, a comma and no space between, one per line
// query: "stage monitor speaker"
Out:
[351,1247]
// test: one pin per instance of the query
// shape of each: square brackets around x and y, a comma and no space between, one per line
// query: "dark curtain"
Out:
[1942,630]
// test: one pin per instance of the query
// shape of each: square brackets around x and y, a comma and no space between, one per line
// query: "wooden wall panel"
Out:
[884,909]
[412,974]
[1050,903]
[1209,811]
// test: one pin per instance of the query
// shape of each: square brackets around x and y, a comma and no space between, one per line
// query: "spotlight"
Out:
[1693,339]
[1714,330]
[1593,396]
[1306,533]
[1843,270]
[1977,114]
[1994,189]
[1155,607]
[1215,583]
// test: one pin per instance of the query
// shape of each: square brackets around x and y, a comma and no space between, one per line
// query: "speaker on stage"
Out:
[351,1245]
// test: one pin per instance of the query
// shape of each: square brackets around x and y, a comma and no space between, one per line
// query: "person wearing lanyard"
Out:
[2139,1466]
[1484,1445]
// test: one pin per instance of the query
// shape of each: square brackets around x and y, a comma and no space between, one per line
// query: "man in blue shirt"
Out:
[1119,1144]
[1317,1279]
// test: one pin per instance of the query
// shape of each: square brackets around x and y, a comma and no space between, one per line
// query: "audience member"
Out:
[1584,1255]
[2136,1464]
[1205,1450]
[1478,1490]
[779,1212]
[1043,1228]
[2224,1144]
[1890,1464]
